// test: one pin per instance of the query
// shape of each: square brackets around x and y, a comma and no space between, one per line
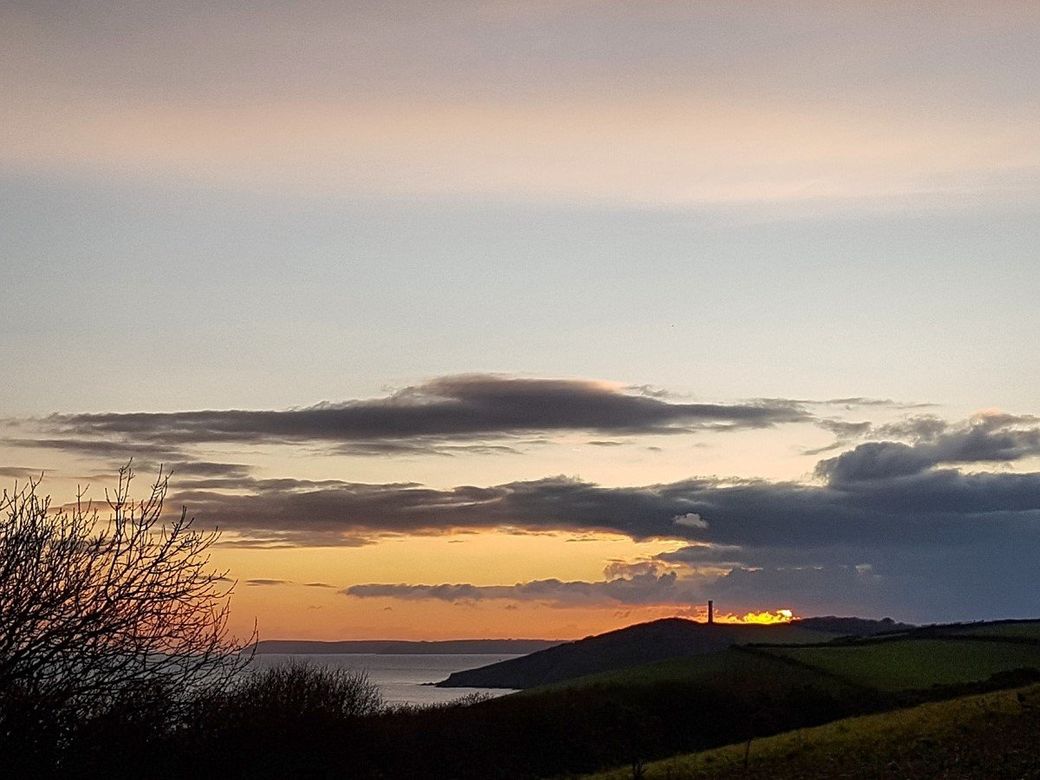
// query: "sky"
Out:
[496,319]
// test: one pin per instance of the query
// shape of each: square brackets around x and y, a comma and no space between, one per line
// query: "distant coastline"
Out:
[389,646]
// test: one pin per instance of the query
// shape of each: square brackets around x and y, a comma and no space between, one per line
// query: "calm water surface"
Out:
[400,677]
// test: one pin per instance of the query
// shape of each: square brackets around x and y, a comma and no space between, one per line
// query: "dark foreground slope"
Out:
[632,646]
[988,735]
[628,718]
[683,705]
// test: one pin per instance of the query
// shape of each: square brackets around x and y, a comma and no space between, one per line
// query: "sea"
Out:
[401,678]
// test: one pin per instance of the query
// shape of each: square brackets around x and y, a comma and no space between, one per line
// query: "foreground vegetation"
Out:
[312,722]
[989,735]
[308,722]
[303,721]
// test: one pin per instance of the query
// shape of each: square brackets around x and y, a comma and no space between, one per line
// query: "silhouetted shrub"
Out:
[292,720]
[299,691]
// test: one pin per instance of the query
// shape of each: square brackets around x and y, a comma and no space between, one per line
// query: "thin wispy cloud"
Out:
[638,589]
[19,472]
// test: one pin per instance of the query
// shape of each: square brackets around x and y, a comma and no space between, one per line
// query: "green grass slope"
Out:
[1013,629]
[733,668]
[988,735]
[913,664]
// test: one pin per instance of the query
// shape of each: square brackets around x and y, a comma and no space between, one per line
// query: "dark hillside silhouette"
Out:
[640,644]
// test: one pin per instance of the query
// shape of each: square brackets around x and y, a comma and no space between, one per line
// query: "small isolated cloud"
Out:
[266,582]
[203,468]
[860,401]
[627,570]
[705,554]
[690,520]
[844,432]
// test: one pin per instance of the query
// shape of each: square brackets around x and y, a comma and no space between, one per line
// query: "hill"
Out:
[735,668]
[988,735]
[852,626]
[919,661]
[916,659]
[625,647]
[1021,630]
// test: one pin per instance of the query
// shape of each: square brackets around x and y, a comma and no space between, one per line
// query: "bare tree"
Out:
[96,612]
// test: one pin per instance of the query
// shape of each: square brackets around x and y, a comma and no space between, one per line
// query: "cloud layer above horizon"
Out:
[911,520]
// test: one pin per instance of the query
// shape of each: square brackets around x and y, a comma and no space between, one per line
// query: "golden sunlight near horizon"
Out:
[760,618]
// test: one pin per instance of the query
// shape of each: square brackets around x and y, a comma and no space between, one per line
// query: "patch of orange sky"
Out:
[298,593]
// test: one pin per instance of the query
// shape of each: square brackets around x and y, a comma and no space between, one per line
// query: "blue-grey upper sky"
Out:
[751,206]
[265,206]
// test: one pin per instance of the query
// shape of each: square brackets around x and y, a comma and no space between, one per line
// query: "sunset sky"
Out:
[537,319]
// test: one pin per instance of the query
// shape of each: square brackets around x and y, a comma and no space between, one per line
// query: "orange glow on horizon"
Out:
[765,618]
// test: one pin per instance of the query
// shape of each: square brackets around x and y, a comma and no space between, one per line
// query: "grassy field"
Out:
[907,664]
[1025,629]
[896,664]
[733,667]
[768,689]
[988,735]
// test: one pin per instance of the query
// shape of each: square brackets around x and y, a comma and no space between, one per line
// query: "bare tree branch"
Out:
[95,611]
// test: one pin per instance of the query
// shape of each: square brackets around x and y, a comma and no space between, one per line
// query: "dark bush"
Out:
[298,691]
[293,720]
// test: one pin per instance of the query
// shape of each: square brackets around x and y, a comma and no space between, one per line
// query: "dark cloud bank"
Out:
[891,526]
[888,528]
[459,407]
